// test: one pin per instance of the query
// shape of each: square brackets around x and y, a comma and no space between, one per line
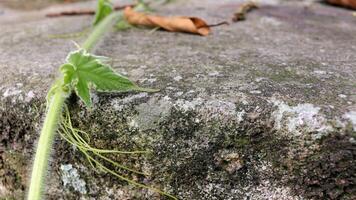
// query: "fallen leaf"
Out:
[244,8]
[175,24]
[346,3]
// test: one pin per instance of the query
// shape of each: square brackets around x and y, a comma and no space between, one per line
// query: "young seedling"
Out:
[81,72]
[104,9]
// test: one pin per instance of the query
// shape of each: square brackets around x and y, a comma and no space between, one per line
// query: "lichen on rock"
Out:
[71,178]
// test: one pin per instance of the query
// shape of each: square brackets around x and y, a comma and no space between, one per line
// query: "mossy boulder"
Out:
[259,109]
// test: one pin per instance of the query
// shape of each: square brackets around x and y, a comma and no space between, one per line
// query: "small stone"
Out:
[214,73]
[342,96]
[177,78]
[29,96]
[255,92]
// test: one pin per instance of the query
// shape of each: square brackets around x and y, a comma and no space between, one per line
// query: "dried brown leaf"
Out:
[346,3]
[243,9]
[175,24]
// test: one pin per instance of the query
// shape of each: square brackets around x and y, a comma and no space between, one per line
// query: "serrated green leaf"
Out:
[85,70]
[104,8]
[82,90]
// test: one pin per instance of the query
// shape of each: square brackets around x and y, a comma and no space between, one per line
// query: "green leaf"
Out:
[82,90]
[104,8]
[85,70]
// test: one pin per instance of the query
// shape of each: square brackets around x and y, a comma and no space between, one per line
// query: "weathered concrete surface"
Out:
[260,109]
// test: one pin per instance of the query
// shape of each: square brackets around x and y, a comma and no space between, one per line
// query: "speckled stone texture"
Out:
[259,109]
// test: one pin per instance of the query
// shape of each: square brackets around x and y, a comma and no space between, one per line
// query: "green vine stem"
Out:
[99,30]
[44,145]
[52,119]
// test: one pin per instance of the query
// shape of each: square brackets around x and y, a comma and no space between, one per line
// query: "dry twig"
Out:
[81,12]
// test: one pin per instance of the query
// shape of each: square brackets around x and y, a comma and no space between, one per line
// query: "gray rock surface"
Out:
[259,109]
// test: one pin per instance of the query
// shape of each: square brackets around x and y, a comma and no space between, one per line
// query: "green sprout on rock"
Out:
[81,72]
